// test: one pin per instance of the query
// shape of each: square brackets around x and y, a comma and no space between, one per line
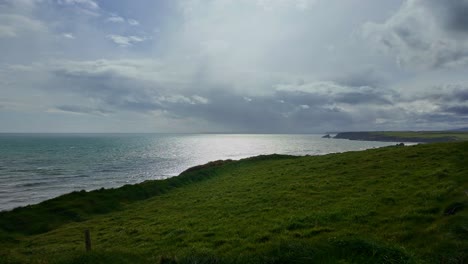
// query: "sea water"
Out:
[37,167]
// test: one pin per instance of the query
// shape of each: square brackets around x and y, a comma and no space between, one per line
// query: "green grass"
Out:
[79,206]
[386,205]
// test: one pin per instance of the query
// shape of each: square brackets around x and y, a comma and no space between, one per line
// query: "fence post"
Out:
[87,240]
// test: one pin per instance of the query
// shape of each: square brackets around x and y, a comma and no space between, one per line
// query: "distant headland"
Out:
[405,136]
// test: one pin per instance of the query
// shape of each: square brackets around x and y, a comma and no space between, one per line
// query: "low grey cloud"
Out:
[305,107]
[260,113]
[459,110]
[360,98]
[452,100]
[110,87]
[368,76]
[80,109]
[106,88]
[450,93]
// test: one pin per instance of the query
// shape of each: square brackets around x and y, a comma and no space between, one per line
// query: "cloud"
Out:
[85,7]
[238,66]
[146,87]
[79,109]
[260,113]
[133,22]
[440,106]
[448,93]
[14,25]
[116,19]
[68,35]
[10,105]
[368,76]
[450,98]
[332,92]
[125,85]
[453,14]
[244,42]
[275,4]
[88,4]
[460,110]
[7,31]
[125,41]
[144,70]
[420,34]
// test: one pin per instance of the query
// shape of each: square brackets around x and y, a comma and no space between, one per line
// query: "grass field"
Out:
[387,205]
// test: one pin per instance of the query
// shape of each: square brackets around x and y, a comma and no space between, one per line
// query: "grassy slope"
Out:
[388,205]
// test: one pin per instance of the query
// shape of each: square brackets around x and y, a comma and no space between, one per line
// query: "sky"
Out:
[233,66]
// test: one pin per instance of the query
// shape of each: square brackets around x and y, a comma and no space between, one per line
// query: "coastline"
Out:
[34,168]
[269,206]
[404,136]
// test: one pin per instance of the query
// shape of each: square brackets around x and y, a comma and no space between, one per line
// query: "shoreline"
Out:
[404,136]
[263,202]
[75,163]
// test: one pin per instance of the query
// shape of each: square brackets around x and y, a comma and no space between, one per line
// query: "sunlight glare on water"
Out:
[36,167]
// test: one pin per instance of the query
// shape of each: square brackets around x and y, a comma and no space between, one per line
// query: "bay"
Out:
[37,167]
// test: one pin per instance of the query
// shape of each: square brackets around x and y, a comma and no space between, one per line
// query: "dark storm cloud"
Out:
[454,14]
[458,18]
[448,94]
[459,110]
[459,94]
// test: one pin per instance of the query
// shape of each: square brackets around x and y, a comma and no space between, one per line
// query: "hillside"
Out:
[406,136]
[386,205]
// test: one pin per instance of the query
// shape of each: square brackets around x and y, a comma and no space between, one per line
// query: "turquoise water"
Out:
[36,167]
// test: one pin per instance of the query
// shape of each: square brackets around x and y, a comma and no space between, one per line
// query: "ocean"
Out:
[37,167]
